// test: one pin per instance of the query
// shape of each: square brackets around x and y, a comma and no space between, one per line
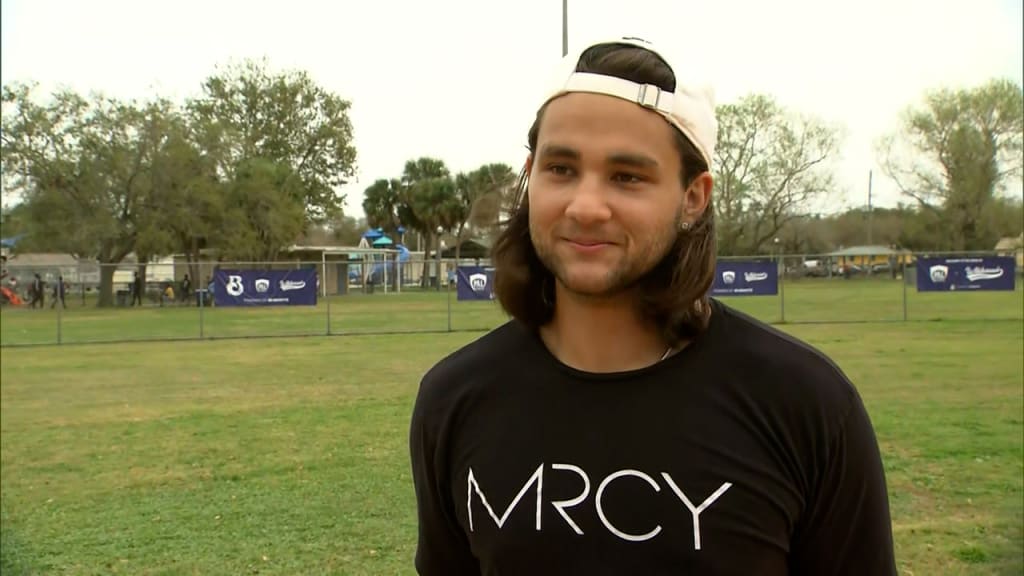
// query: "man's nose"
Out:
[589,203]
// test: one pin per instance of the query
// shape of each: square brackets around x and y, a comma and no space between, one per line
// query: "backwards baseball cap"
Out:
[689,109]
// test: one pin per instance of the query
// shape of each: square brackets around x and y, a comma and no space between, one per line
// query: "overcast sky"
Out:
[460,79]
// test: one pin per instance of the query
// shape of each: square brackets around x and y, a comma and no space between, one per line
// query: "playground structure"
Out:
[9,297]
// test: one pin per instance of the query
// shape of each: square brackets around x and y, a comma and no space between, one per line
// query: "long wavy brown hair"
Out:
[674,294]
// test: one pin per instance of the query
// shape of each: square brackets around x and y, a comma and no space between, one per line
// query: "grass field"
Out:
[289,456]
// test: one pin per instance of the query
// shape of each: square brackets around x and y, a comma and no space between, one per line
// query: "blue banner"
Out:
[265,287]
[745,278]
[947,274]
[475,283]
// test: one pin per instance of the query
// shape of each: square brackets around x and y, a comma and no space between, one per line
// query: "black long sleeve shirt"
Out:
[748,452]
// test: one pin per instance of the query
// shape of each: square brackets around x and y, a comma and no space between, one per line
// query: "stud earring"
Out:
[684,226]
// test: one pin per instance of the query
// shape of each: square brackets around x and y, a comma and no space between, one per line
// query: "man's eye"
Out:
[559,170]
[626,178]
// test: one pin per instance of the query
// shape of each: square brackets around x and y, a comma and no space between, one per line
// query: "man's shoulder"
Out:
[783,363]
[477,362]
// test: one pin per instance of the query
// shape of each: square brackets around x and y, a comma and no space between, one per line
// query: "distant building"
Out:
[871,257]
[49,266]
[82,272]
[1012,247]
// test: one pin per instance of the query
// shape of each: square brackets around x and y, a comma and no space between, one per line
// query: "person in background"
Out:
[138,286]
[58,293]
[167,295]
[37,292]
[186,288]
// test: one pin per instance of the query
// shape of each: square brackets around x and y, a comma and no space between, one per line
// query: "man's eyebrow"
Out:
[634,160]
[621,158]
[560,151]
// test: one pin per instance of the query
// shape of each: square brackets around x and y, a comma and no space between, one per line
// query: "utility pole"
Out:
[565,28]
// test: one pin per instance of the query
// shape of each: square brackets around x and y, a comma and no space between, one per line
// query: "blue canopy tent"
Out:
[373,233]
[382,241]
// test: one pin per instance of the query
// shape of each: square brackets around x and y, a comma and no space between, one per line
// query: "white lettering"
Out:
[561,505]
[234,285]
[604,519]
[696,511]
[472,485]
[981,273]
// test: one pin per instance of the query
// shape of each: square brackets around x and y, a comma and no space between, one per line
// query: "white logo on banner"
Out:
[938,273]
[287,285]
[755,276]
[981,273]
[728,276]
[478,282]
[235,286]
[262,285]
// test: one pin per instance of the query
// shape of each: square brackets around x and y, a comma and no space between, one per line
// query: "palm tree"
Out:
[381,203]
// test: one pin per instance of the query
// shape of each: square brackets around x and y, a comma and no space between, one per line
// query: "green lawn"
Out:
[289,456]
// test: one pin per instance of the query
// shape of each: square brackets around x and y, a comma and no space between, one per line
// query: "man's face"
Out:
[605,193]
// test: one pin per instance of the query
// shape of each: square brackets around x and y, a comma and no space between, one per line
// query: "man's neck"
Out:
[601,335]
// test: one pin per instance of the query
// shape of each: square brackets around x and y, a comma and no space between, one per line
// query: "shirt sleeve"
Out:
[847,527]
[442,547]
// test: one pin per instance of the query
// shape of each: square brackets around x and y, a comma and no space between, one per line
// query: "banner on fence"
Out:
[745,278]
[474,283]
[953,273]
[265,287]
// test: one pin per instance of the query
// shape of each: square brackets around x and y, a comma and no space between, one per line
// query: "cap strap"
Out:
[646,95]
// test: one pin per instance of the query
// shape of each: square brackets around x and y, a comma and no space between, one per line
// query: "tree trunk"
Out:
[193,263]
[109,257]
[425,280]
[107,270]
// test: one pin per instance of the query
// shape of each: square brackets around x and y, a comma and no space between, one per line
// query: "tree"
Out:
[480,195]
[81,166]
[1005,217]
[381,202]
[427,201]
[804,235]
[249,118]
[339,231]
[186,207]
[958,152]
[263,213]
[770,167]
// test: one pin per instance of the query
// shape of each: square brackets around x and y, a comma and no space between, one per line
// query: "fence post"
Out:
[327,299]
[202,304]
[59,299]
[448,291]
[904,275]
[782,291]
[323,274]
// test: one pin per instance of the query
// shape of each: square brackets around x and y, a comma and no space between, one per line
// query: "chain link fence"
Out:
[60,303]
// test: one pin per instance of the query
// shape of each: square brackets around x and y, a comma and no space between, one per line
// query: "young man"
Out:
[623,422]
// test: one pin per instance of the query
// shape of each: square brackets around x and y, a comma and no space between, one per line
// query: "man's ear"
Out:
[697,196]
